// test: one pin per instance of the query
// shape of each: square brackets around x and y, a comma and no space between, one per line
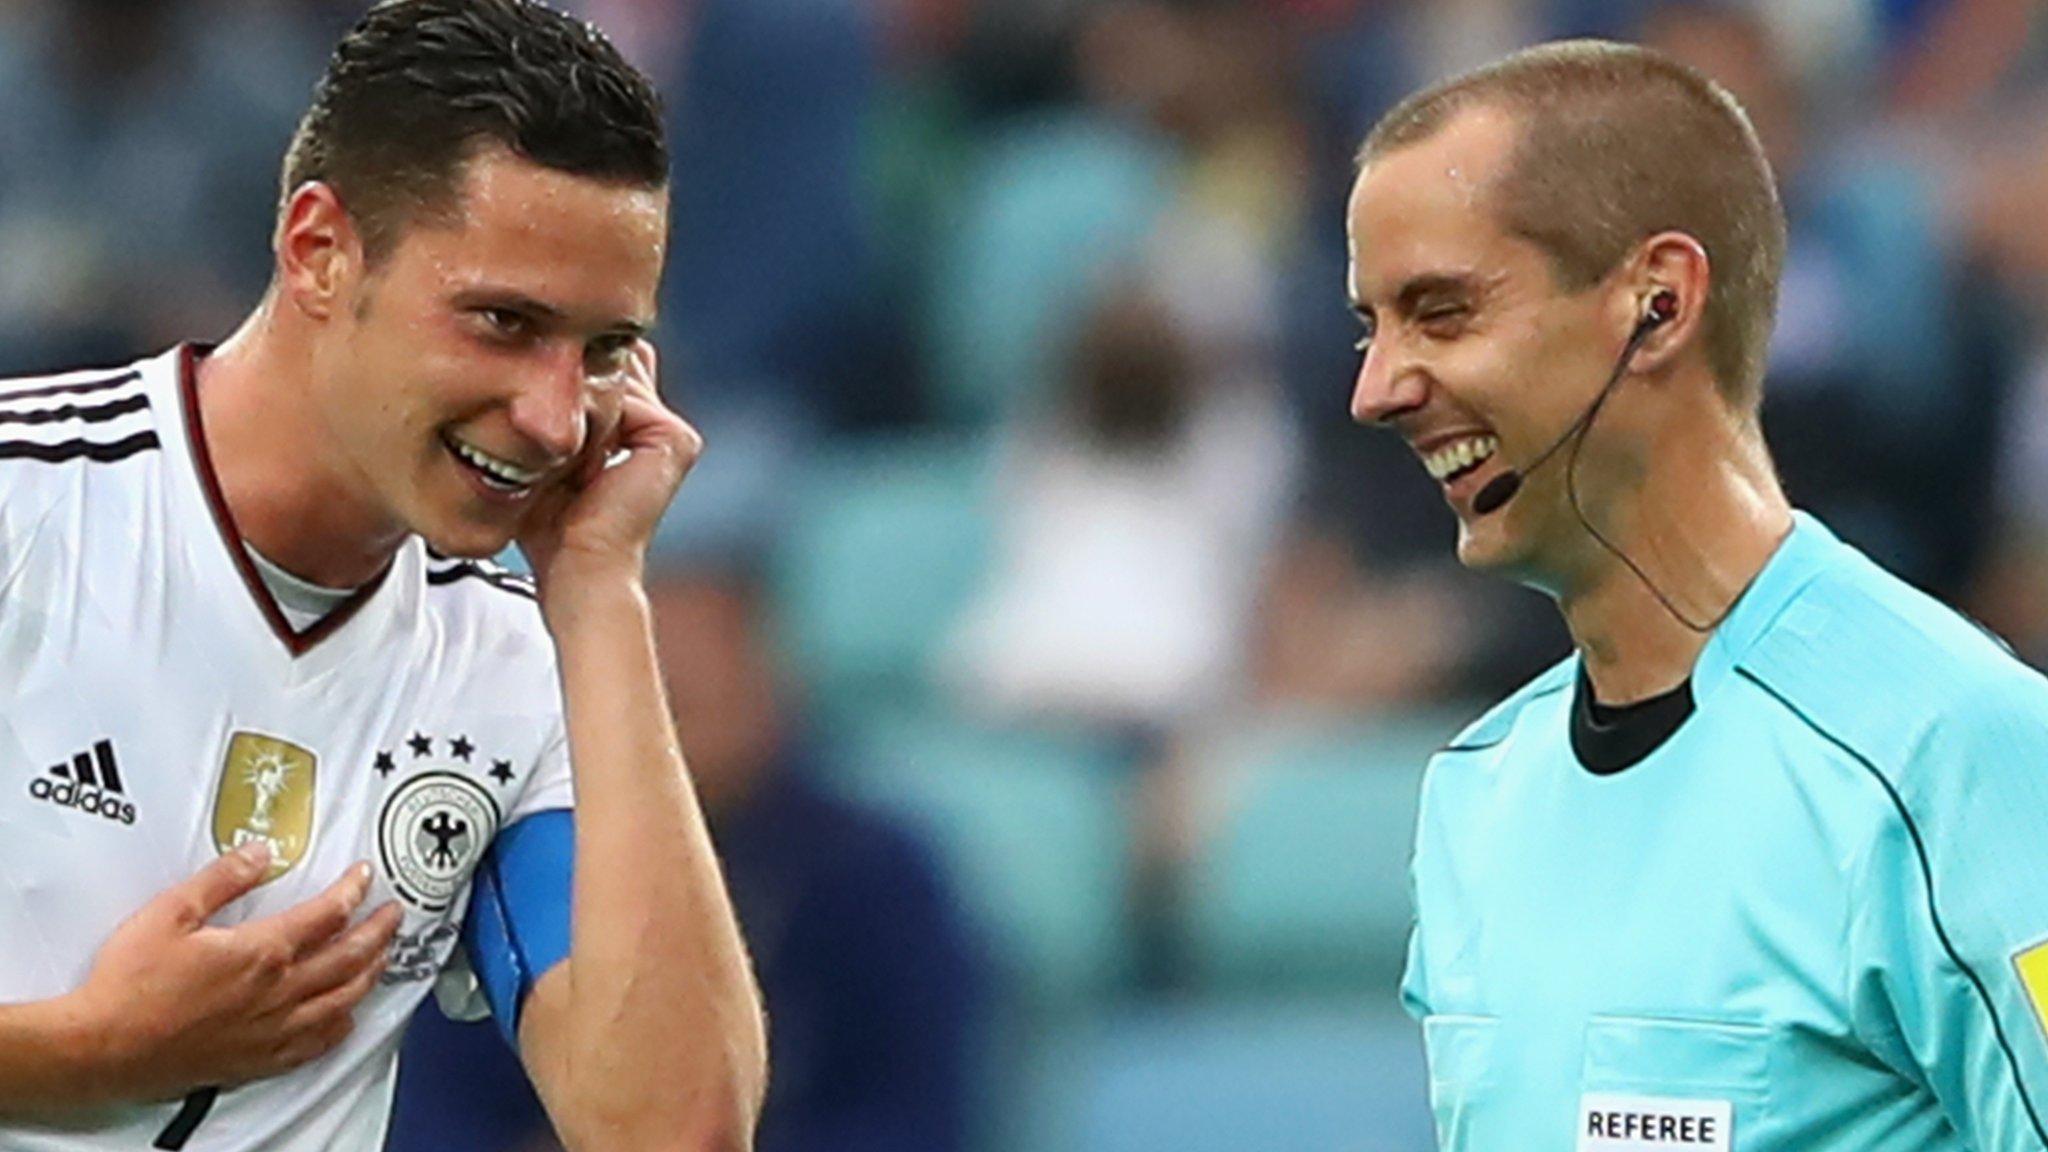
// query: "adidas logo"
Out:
[90,783]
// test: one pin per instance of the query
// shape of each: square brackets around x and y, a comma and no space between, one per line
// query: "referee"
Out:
[1764,865]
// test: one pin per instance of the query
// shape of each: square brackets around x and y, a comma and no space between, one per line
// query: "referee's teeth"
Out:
[1459,455]
[507,475]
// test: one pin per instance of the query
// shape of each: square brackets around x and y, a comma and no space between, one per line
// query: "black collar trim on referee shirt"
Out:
[298,643]
[1607,739]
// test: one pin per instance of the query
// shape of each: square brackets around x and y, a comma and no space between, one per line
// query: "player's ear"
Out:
[319,251]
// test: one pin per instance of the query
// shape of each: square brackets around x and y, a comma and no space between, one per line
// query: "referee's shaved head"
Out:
[1617,143]
[420,87]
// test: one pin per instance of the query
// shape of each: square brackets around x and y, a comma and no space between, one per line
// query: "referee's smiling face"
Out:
[1472,351]
[481,358]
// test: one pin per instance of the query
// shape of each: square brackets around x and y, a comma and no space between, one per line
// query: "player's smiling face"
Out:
[479,362]
[1473,353]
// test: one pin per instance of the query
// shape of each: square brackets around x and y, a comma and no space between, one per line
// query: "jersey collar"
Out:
[1807,551]
[298,643]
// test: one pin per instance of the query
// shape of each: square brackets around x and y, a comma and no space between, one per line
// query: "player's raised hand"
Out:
[176,1004]
[608,509]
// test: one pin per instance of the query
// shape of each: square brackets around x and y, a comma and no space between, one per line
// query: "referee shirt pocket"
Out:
[1653,1056]
[1462,1072]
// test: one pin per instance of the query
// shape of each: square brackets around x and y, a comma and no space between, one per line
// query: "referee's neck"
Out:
[1700,534]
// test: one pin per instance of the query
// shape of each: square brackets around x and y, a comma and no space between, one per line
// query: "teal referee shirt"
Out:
[1798,905]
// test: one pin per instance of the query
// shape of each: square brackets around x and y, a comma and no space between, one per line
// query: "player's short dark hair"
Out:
[419,87]
[1615,144]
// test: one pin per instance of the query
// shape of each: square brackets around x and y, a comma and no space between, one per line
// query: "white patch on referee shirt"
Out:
[1613,1123]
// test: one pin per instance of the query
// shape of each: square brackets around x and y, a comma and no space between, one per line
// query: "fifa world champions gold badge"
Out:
[265,792]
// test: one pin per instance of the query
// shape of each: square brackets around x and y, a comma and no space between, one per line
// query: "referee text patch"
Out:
[1609,1122]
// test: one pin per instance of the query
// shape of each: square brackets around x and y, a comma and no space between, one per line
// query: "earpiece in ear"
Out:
[1663,306]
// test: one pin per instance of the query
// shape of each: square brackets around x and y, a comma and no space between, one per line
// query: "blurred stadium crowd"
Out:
[1057,660]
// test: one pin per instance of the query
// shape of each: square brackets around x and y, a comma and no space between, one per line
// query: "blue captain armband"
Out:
[518,923]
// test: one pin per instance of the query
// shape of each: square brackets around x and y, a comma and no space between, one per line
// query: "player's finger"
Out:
[692,440]
[647,423]
[306,925]
[604,440]
[193,902]
[604,425]
[335,1007]
[645,375]
[680,437]
[306,1045]
[344,957]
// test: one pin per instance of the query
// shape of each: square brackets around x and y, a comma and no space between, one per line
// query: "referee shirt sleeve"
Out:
[1948,977]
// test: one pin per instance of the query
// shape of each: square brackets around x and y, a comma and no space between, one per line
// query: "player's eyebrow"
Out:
[541,310]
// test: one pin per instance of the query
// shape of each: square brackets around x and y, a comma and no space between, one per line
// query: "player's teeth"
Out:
[511,475]
[1453,458]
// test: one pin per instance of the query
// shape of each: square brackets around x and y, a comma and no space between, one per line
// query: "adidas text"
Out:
[72,795]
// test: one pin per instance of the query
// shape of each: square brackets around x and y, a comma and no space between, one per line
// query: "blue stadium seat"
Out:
[1052,209]
[1303,884]
[1035,827]
[1283,1076]
[886,543]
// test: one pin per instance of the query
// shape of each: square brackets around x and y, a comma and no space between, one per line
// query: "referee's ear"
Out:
[1673,266]
[319,253]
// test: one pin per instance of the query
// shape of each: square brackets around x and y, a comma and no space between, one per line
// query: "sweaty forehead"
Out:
[510,193]
[579,244]
[1428,207]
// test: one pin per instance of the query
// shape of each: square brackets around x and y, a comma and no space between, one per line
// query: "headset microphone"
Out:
[1504,487]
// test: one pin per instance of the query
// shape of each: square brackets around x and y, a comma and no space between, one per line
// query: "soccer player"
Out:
[278,748]
[1763,866]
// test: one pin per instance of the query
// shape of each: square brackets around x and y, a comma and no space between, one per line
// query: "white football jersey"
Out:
[156,710]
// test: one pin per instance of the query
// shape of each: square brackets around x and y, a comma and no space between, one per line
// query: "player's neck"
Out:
[289,498]
[1701,527]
